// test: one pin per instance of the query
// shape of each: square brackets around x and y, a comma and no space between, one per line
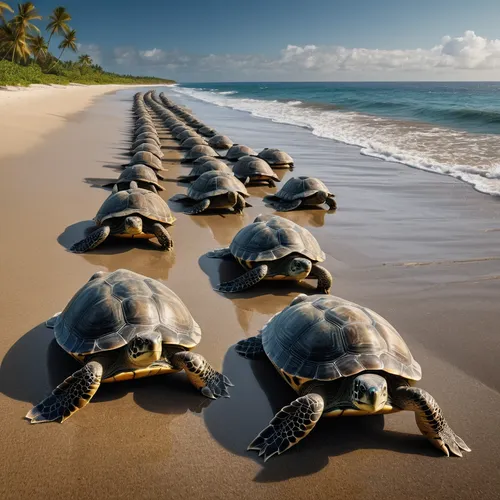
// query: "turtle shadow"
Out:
[310,216]
[36,364]
[261,393]
[99,182]
[223,225]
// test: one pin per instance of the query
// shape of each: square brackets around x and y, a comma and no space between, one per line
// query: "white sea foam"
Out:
[473,158]
[228,92]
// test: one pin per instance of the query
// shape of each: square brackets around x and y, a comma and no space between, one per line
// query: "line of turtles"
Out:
[341,358]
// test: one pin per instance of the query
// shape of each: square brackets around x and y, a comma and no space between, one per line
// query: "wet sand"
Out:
[421,250]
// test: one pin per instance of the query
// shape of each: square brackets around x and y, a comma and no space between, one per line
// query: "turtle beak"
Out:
[376,399]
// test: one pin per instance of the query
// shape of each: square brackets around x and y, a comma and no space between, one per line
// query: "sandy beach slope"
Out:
[421,250]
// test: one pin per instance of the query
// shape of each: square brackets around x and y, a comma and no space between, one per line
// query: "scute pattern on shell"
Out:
[275,156]
[197,151]
[274,237]
[139,173]
[325,338]
[110,310]
[252,166]
[135,201]
[215,183]
[301,187]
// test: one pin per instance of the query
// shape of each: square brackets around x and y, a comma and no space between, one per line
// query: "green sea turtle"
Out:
[236,151]
[252,170]
[274,248]
[133,213]
[220,142]
[342,359]
[121,326]
[276,157]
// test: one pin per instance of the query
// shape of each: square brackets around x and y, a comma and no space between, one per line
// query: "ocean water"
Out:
[446,128]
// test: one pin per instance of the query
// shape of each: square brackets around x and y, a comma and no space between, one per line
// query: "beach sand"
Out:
[420,249]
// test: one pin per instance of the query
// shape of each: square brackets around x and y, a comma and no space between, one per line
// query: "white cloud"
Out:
[92,50]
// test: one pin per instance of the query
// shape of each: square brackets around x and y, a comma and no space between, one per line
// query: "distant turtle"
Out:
[301,191]
[276,157]
[190,142]
[186,134]
[202,159]
[145,178]
[146,158]
[149,148]
[145,128]
[342,359]
[274,248]
[134,213]
[197,151]
[236,151]
[197,170]
[140,142]
[178,129]
[220,142]
[252,170]
[150,136]
[214,189]
[121,326]
[207,131]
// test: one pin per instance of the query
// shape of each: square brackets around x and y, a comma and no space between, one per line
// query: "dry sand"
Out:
[152,438]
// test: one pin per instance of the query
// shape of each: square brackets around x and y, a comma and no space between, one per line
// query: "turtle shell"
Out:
[197,151]
[236,151]
[113,308]
[215,183]
[139,142]
[186,134]
[220,142]
[203,159]
[301,187]
[145,128]
[190,142]
[149,136]
[139,173]
[272,237]
[208,166]
[146,158]
[177,129]
[207,131]
[323,337]
[275,157]
[135,201]
[149,148]
[249,166]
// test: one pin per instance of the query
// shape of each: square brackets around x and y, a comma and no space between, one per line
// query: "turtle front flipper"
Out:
[198,208]
[430,419]
[250,348]
[219,253]
[240,204]
[211,383]
[330,201]
[324,278]
[92,241]
[179,197]
[286,206]
[163,237]
[291,424]
[247,280]
[70,396]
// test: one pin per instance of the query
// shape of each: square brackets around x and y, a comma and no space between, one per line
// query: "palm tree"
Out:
[3,7]
[85,60]
[26,12]
[38,46]
[69,42]
[12,42]
[58,23]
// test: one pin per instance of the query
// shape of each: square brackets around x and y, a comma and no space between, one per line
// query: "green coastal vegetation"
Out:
[27,57]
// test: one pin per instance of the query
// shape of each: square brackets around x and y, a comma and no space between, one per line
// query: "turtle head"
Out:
[369,392]
[133,225]
[299,267]
[145,348]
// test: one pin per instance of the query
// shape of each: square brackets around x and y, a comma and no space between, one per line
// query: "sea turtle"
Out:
[148,135]
[121,326]
[145,128]
[140,142]
[186,134]
[276,157]
[207,131]
[197,151]
[220,142]
[236,151]
[145,178]
[301,191]
[197,170]
[214,189]
[274,248]
[202,159]
[190,142]
[133,213]
[249,169]
[342,359]
[149,148]
[146,158]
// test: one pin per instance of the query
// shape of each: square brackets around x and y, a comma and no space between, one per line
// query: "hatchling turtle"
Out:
[190,142]
[133,213]
[149,148]
[252,170]
[197,170]
[342,359]
[197,151]
[146,158]
[144,177]
[123,326]
[236,151]
[301,191]
[214,189]
[220,142]
[276,157]
[274,248]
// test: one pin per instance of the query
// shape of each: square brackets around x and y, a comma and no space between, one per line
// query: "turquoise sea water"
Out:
[448,128]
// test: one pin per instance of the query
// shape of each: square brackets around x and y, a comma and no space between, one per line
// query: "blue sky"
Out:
[216,40]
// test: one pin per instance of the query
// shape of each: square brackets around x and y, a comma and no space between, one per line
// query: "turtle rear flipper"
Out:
[70,396]
[330,201]
[219,253]
[211,383]
[198,208]
[430,419]
[92,240]
[250,348]
[247,280]
[286,206]
[291,424]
